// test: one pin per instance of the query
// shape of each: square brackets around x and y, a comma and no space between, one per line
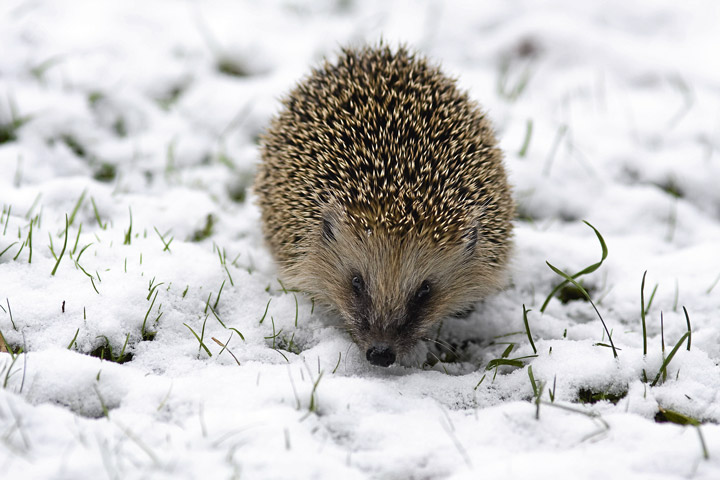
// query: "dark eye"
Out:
[423,292]
[358,284]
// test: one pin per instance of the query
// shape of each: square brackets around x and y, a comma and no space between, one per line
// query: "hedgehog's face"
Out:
[386,320]
[390,289]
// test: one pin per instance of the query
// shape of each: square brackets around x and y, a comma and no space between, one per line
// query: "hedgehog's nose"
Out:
[380,355]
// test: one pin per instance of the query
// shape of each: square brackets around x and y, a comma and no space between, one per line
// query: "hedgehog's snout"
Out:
[381,355]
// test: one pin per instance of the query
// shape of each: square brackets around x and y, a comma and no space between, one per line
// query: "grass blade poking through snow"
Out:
[29,240]
[528,135]
[217,299]
[202,344]
[642,313]
[527,328]
[74,340]
[77,206]
[296,309]
[217,317]
[587,297]
[128,234]
[532,381]
[224,347]
[7,219]
[713,285]
[669,358]
[313,402]
[504,360]
[266,310]
[582,272]
[162,239]
[706,455]
[9,311]
[338,362]
[8,248]
[67,226]
[97,214]
[689,330]
[147,335]
[222,255]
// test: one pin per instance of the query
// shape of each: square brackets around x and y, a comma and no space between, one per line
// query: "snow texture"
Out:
[138,123]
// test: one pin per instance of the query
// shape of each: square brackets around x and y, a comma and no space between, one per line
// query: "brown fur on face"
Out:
[393,267]
[380,173]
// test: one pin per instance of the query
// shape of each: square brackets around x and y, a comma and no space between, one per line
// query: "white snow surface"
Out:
[117,115]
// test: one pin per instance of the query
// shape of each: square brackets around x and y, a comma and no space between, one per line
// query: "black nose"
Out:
[380,355]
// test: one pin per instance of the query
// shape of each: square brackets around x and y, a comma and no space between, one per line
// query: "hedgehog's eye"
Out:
[418,302]
[423,292]
[358,285]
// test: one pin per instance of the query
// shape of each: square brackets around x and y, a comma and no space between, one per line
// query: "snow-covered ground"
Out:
[136,122]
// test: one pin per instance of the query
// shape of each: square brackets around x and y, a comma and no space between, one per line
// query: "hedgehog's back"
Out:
[389,138]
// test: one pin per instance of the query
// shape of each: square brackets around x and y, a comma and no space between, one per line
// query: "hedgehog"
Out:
[383,195]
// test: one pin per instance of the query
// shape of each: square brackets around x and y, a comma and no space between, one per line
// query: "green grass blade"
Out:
[77,206]
[74,339]
[217,299]
[97,214]
[7,219]
[703,445]
[198,339]
[532,381]
[689,330]
[67,226]
[527,328]
[669,358]
[582,272]
[642,313]
[526,141]
[217,317]
[338,362]
[587,296]
[266,310]
[313,403]
[8,248]
[128,234]
[512,362]
[296,309]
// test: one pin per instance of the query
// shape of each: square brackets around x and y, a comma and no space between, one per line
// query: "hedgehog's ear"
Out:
[328,230]
[330,217]
[470,238]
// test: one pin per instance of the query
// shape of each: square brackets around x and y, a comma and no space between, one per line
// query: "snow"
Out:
[124,110]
